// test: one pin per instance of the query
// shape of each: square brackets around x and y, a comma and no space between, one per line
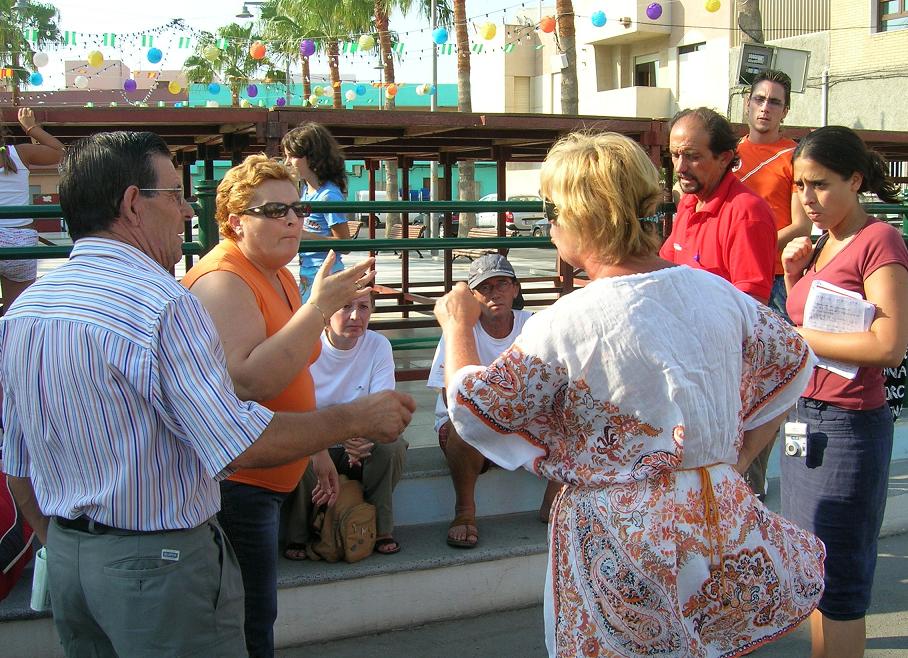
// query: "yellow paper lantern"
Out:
[313,100]
[95,58]
[317,91]
[211,53]
[487,31]
[174,87]
[366,42]
[713,6]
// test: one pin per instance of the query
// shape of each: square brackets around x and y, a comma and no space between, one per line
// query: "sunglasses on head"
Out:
[277,210]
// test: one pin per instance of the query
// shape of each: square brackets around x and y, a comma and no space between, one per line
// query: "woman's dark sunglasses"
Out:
[276,210]
[550,210]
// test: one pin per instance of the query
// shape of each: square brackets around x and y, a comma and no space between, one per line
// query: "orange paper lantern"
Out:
[257,50]
[547,24]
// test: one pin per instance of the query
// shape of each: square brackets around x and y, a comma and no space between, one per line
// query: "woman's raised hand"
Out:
[458,307]
[332,292]
[796,255]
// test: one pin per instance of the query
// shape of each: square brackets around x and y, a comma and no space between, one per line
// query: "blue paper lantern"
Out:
[360,90]
[440,36]
[214,88]
[36,79]
[154,55]
[598,18]
[252,91]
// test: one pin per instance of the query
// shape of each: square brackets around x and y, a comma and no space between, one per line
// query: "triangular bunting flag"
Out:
[221,43]
[6,73]
[540,46]
[349,47]
[109,39]
[185,42]
[476,47]
[69,38]
[398,48]
[147,40]
[30,35]
[446,49]
[508,47]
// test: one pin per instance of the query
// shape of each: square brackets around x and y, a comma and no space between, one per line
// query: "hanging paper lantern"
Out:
[95,58]
[328,91]
[129,85]
[154,55]
[654,11]
[40,59]
[366,42]
[391,91]
[244,102]
[440,36]
[257,50]
[81,81]
[598,18]
[212,103]
[36,79]
[317,91]
[214,88]
[252,91]
[712,6]
[280,101]
[174,87]
[307,47]
[360,90]
[211,53]
[430,89]
[178,104]
[350,95]
[420,90]
[487,31]
[547,24]
[313,100]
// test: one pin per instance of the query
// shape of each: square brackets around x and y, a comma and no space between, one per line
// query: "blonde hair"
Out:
[239,184]
[601,184]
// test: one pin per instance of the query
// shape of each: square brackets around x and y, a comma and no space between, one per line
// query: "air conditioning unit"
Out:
[559,62]
[757,57]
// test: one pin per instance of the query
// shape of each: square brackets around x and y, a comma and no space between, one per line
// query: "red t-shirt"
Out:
[875,245]
[767,170]
[733,235]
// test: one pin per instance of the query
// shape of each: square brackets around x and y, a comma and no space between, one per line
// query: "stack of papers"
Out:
[839,311]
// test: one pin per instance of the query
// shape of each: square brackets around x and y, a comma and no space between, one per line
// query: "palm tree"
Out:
[233,65]
[289,29]
[466,184]
[20,20]
[567,38]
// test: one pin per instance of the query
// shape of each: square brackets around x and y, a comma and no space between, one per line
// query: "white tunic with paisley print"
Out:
[635,392]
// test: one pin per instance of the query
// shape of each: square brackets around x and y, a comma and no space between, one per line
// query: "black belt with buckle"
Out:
[85,524]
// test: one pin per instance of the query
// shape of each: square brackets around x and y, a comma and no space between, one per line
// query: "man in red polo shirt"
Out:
[721,226]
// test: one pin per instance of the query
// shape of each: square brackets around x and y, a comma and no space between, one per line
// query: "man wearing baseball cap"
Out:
[495,285]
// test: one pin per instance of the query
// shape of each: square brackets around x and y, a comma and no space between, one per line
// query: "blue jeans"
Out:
[250,517]
[778,297]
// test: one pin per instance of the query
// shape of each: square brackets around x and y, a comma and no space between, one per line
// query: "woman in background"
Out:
[315,155]
[15,162]
[838,490]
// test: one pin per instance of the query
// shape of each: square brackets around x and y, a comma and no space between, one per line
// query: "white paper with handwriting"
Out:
[836,310]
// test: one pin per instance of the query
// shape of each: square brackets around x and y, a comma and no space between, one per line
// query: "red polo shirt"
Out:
[733,235]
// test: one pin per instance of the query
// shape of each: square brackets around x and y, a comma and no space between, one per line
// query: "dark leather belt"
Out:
[90,526]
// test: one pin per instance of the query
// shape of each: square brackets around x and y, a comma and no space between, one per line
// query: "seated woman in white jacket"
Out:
[354,362]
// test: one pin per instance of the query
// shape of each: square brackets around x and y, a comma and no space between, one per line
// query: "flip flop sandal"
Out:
[296,552]
[470,522]
[386,546]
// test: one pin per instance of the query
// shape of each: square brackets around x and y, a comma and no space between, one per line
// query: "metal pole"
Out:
[824,99]
[434,218]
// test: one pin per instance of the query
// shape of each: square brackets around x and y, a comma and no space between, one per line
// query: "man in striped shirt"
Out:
[121,418]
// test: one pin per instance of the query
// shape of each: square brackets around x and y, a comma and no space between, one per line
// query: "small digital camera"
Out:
[795,440]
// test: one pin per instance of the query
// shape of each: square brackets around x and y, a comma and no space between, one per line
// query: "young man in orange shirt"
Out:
[765,167]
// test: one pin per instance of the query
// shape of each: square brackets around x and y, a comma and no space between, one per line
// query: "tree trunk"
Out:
[234,94]
[750,20]
[392,189]
[307,83]
[334,69]
[14,81]
[567,38]
[466,184]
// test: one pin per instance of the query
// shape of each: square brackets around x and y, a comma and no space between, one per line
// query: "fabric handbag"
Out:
[347,529]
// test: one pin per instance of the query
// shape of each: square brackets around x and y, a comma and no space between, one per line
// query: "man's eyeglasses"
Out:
[277,210]
[487,288]
[550,210]
[175,193]
[772,102]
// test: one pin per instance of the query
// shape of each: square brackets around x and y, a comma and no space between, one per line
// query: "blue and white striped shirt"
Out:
[117,401]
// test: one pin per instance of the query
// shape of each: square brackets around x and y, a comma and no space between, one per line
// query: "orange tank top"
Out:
[277,309]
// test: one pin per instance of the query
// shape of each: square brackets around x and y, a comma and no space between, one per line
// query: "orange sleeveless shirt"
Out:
[300,393]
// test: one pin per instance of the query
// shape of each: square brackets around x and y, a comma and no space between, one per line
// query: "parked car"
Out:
[515,222]
[542,229]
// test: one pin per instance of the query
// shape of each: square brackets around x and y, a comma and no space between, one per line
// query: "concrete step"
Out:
[427,581]
[425,493]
